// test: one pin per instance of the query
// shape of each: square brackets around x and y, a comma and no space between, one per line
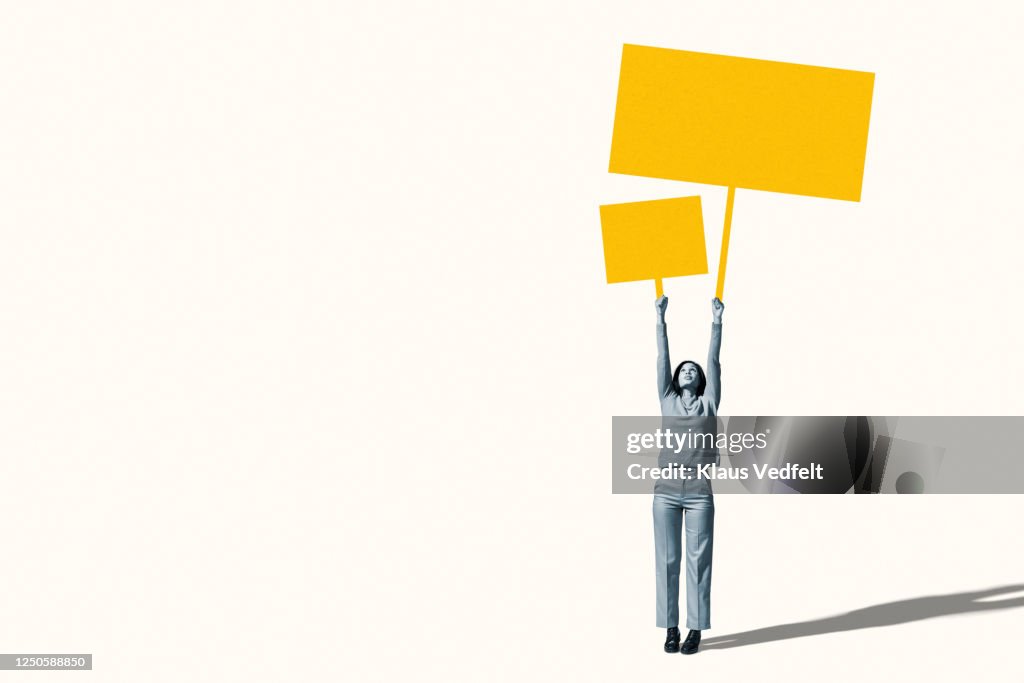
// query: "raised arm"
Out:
[664,364]
[713,391]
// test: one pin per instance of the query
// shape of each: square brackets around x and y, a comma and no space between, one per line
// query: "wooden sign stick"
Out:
[724,256]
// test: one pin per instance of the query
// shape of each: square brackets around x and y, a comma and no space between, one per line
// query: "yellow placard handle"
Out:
[725,243]
[658,291]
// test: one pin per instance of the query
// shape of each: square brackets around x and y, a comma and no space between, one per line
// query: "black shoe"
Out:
[672,641]
[691,643]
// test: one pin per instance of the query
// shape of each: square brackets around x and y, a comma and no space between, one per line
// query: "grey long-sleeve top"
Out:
[672,404]
[681,417]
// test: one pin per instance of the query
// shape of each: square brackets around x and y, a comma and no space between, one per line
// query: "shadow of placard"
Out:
[980,454]
[908,467]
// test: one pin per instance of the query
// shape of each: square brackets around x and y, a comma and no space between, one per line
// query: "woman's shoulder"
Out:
[669,407]
[710,406]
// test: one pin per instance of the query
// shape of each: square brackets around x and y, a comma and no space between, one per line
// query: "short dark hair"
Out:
[702,380]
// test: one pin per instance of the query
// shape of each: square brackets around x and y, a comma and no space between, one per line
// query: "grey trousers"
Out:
[670,511]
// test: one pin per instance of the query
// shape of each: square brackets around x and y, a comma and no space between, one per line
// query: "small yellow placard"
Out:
[653,240]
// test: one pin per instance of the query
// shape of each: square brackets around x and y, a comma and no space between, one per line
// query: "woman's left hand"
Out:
[716,309]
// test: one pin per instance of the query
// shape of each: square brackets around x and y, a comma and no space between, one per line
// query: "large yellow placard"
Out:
[741,123]
[653,240]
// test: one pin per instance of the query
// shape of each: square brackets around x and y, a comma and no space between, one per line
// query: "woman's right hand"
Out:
[661,303]
[717,307]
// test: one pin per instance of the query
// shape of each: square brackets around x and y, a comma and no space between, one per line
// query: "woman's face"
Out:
[689,378]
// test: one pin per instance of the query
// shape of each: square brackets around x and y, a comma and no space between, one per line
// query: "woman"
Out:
[688,393]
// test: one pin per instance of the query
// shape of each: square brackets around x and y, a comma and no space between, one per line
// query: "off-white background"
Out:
[308,362]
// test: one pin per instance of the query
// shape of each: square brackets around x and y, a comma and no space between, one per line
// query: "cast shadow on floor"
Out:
[887,614]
